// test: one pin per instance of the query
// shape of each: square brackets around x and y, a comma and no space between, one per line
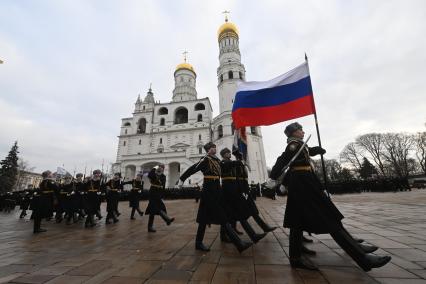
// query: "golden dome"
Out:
[185,65]
[227,27]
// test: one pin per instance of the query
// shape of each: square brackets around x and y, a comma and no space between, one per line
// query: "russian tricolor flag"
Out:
[286,97]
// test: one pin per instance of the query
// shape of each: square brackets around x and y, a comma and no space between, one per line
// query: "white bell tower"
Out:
[230,70]
[229,73]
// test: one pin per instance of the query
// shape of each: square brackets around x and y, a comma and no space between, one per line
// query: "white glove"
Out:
[271,183]
[72,192]
[98,193]
[140,191]
[282,189]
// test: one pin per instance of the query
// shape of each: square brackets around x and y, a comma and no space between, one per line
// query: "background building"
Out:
[174,133]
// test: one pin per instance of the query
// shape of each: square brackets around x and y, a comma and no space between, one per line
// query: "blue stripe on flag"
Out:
[273,96]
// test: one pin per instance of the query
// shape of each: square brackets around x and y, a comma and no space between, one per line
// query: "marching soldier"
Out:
[25,203]
[43,199]
[134,195]
[63,205]
[80,195]
[310,209]
[211,209]
[243,186]
[156,205]
[113,187]
[94,191]
[235,204]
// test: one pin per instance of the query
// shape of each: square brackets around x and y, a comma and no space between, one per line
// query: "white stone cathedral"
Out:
[174,133]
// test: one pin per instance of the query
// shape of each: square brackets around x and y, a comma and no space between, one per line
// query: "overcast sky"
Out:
[72,69]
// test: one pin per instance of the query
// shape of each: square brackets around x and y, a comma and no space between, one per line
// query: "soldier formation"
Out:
[80,199]
[225,199]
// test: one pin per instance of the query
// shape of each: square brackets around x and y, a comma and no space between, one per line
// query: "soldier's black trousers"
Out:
[295,243]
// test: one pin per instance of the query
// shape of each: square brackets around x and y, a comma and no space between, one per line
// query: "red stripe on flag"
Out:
[273,114]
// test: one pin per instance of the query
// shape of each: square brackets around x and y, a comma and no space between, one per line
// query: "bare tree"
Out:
[352,154]
[23,169]
[420,150]
[397,147]
[372,143]
[332,167]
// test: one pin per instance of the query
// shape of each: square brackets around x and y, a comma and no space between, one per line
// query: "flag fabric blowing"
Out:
[286,97]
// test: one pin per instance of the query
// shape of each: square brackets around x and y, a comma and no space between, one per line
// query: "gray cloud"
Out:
[73,69]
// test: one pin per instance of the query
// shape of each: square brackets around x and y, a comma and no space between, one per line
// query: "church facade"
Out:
[174,133]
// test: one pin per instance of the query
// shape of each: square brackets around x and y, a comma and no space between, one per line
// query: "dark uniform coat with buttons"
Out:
[114,188]
[211,209]
[158,185]
[94,199]
[44,199]
[308,207]
[135,192]
[235,203]
[244,187]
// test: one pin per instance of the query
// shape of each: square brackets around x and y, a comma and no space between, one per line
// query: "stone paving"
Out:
[126,253]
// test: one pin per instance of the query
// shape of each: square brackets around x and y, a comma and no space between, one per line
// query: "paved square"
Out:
[126,253]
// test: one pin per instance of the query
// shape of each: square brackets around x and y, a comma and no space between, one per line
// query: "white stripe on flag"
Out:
[289,77]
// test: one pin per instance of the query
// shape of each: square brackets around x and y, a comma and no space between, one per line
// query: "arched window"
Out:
[253,130]
[232,128]
[220,131]
[125,131]
[181,115]
[124,143]
[163,111]
[200,150]
[200,106]
[142,125]
[241,75]
[230,75]
[143,107]
[161,140]
[140,141]
[200,117]
[199,137]
[162,121]
[127,124]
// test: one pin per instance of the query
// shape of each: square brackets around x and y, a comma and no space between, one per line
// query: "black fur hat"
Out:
[209,145]
[292,128]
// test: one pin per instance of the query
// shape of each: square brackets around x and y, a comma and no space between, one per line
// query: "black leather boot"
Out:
[368,248]
[251,233]
[235,239]
[37,226]
[132,215]
[166,218]
[296,259]
[151,223]
[355,251]
[265,227]
[199,238]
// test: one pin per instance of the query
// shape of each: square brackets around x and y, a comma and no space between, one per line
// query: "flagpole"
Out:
[318,134]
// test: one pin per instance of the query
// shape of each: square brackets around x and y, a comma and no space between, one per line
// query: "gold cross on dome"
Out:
[184,55]
[226,14]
